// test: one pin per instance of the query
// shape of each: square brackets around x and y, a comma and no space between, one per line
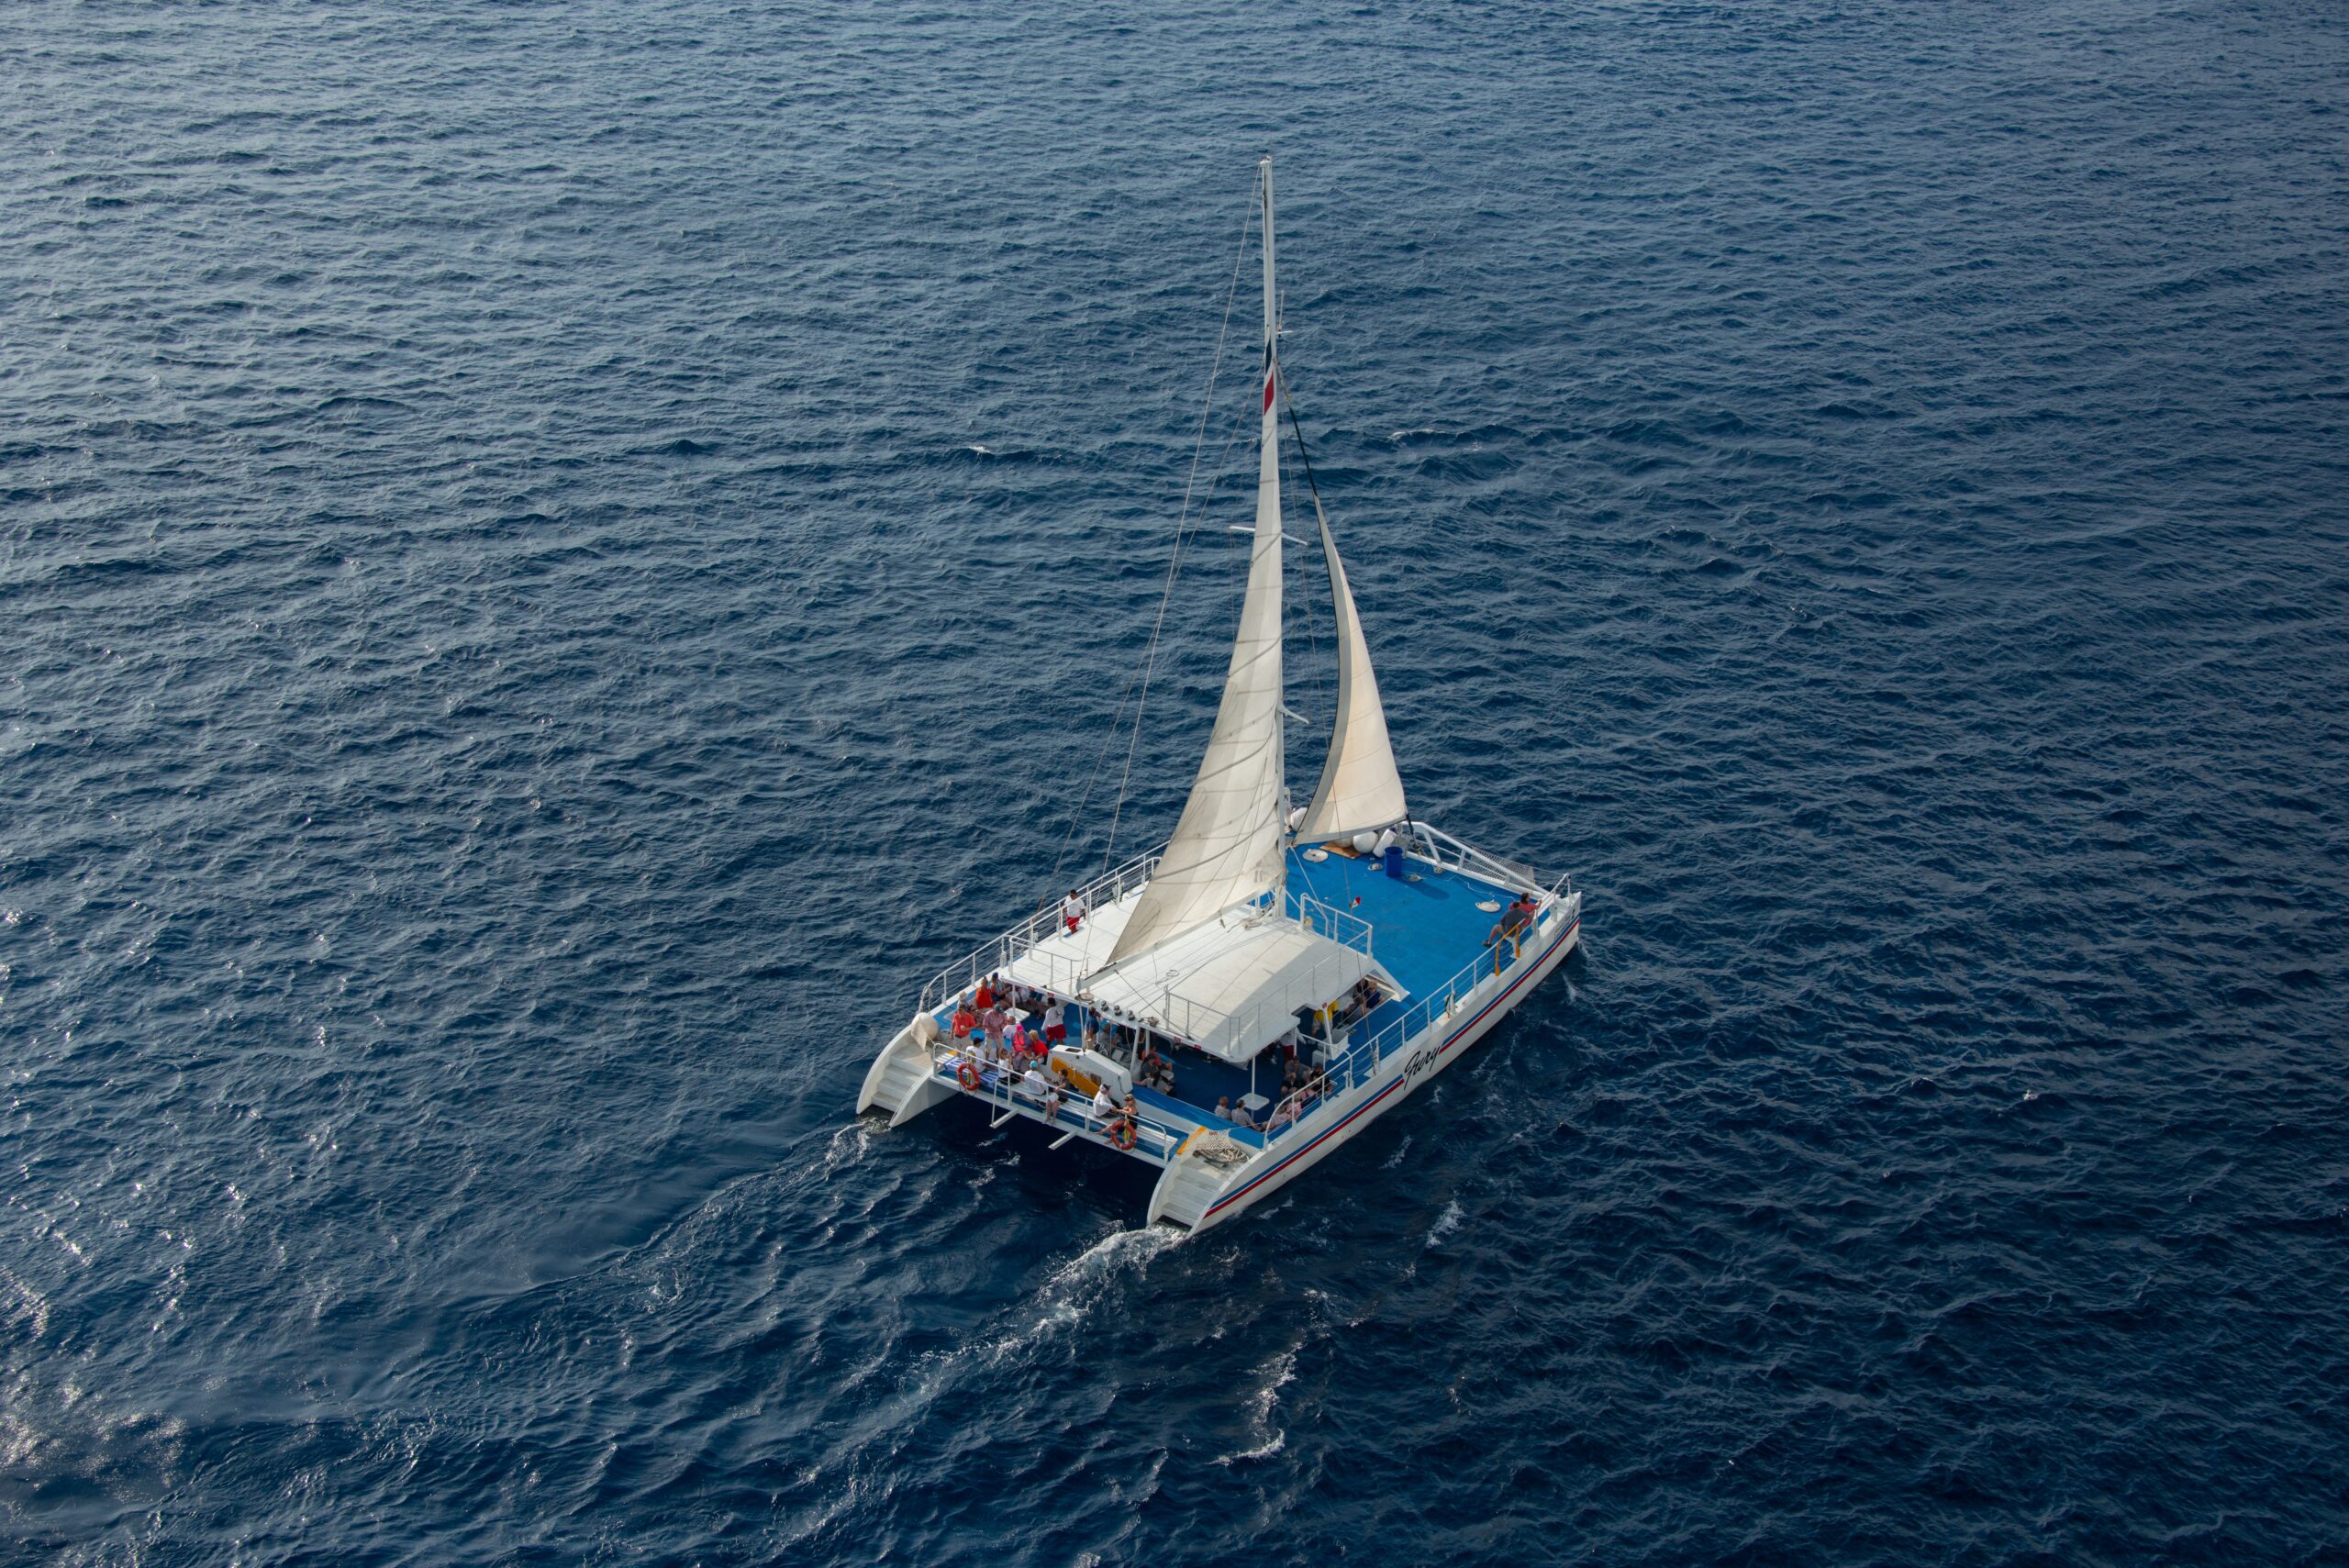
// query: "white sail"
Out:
[1227,846]
[1360,787]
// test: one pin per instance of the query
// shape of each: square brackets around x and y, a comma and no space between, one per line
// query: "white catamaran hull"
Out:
[1400,1075]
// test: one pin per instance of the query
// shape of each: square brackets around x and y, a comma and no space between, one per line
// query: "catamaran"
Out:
[1236,1005]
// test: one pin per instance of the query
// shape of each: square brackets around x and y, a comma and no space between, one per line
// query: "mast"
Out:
[1228,846]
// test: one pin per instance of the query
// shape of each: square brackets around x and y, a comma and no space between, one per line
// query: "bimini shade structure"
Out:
[1232,987]
[1360,787]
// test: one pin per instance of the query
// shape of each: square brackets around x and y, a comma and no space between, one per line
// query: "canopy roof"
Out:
[1231,986]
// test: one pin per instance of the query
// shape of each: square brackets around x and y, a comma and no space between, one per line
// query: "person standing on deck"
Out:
[1055,1023]
[1071,911]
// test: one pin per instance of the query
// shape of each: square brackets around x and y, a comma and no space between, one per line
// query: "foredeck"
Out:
[1425,925]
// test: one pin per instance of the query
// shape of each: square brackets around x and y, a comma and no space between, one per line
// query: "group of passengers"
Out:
[1016,1028]
[1009,1024]
[1356,1004]
[1296,1076]
[1152,1070]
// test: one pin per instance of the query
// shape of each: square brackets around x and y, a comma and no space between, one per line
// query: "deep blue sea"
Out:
[556,562]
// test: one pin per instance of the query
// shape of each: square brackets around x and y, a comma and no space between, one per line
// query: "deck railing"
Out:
[993,956]
[1337,925]
[1436,845]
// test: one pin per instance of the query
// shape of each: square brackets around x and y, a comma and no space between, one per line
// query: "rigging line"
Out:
[1239,427]
[1174,561]
[1306,460]
[1099,757]
[1312,621]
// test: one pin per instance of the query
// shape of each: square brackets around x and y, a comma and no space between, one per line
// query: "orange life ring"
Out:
[967,1074]
[1124,1135]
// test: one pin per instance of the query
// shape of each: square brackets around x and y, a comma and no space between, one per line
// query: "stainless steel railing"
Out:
[992,957]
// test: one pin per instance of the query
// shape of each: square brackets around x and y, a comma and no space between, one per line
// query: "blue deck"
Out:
[1426,928]
[1424,932]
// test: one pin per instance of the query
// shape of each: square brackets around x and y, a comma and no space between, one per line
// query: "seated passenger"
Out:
[1243,1117]
[985,998]
[1284,1115]
[1223,1108]
[1031,1083]
[1513,922]
[1052,1101]
[1104,1108]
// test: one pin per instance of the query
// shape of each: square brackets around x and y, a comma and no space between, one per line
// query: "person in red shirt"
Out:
[964,1021]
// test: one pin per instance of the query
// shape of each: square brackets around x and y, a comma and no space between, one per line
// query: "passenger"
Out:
[1071,911]
[1033,1082]
[994,1021]
[1104,1108]
[1243,1117]
[985,998]
[1223,1108]
[1284,1114]
[1513,921]
[1055,1023]
[1052,1101]
[965,1022]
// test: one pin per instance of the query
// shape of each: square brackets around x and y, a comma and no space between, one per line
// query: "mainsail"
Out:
[1360,787]
[1226,847]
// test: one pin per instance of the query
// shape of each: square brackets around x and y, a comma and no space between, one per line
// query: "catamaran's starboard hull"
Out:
[1400,1075]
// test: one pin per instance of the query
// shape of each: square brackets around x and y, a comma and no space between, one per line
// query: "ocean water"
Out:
[556,562]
